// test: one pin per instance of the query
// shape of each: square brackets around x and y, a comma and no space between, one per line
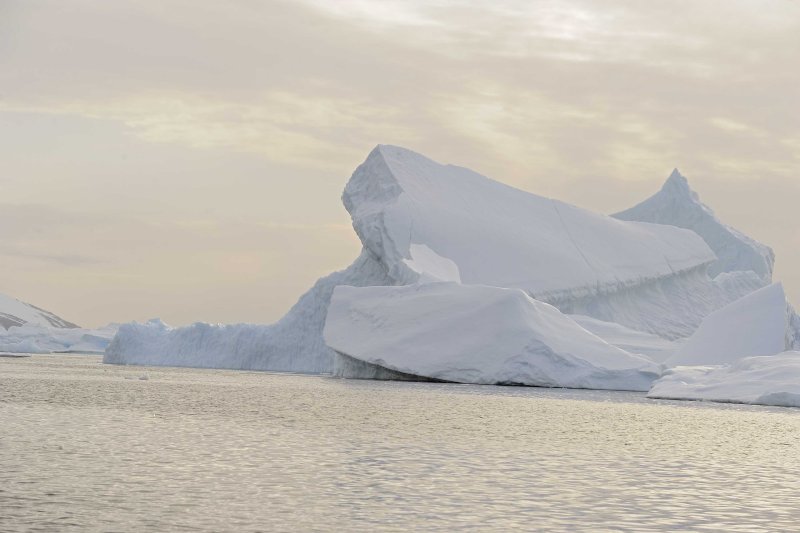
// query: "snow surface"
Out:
[47,339]
[16,313]
[473,334]
[656,348]
[678,205]
[754,325]
[764,380]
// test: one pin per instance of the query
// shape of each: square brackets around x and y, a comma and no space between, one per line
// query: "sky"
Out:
[184,159]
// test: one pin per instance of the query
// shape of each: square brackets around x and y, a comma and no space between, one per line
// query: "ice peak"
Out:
[392,155]
[676,204]
[678,185]
[390,151]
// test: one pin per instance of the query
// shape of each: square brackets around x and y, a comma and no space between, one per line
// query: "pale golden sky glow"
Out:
[185,159]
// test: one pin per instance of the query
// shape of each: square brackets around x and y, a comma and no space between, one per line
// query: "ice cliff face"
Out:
[16,313]
[676,204]
[671,307]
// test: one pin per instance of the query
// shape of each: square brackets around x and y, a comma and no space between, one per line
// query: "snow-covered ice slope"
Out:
[677,204]
[47,339]
[754,325]
[16,313]
[656,348]
[470,228]
[472,334]
[764,380]
[293,344]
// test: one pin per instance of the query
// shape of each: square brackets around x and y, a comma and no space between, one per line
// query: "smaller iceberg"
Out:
[764,380]
[757,324]
[472,334]
[30,338]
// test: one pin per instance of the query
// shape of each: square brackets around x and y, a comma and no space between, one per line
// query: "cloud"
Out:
[283,126]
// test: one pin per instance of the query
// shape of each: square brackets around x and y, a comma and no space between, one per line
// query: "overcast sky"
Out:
[185,159]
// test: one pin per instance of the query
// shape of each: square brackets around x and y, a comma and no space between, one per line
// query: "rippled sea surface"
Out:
[87,446]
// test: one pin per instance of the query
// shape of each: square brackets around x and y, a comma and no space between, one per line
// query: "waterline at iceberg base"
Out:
[639,287]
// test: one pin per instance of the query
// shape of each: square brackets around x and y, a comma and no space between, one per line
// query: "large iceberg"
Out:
[678,205]
[472,334]
[763,380]
[420,221]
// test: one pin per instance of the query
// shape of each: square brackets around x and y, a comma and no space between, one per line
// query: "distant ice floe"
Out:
[27,329]
[38,339]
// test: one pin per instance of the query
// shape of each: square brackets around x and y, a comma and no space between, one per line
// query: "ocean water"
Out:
[92,447]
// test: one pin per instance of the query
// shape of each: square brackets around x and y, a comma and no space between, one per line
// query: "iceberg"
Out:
[25,328]
[31,338]
[676,204]
[763,380]
[445,331]
[757,324]
[420,222]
